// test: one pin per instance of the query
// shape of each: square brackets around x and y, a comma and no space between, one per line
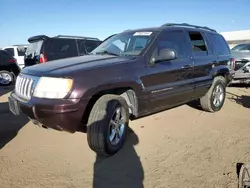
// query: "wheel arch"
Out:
[128,93]
[221,72]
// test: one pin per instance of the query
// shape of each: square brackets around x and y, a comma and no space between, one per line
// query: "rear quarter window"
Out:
[91,45]
[219,44]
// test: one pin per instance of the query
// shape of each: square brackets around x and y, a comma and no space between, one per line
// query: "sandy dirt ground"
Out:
[181,147]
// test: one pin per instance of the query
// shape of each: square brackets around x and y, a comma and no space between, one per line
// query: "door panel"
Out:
[203,62]
[170,83]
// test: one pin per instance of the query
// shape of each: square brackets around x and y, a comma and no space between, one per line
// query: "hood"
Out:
[68,65]
[240,55]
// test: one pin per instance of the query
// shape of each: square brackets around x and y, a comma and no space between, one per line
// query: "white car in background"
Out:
[17,51]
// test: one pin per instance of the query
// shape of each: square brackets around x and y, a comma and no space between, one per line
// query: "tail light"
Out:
[13,60]
[231,64]
[43,58]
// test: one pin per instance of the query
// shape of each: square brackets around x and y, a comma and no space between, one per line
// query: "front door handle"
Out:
[186,67]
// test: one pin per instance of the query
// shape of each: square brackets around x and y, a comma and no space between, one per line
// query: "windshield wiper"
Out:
[107,52]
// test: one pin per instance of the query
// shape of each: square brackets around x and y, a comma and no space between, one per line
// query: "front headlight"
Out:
[52,88]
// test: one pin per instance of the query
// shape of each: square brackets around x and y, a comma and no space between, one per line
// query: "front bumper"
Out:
[59,114]
[241,77]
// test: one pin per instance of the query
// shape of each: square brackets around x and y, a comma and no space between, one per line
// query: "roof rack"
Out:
[76,37]
[18,45]
[188,25]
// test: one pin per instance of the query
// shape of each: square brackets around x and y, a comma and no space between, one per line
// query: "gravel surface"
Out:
[181,147]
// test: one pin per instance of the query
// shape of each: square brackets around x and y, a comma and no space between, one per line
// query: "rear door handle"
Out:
[186,67]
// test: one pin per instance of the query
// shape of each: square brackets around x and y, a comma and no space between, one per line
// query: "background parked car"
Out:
[241,54]
[43,48]
[8,68]
[17,51]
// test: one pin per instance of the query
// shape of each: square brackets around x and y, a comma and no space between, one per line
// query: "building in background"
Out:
[236,37]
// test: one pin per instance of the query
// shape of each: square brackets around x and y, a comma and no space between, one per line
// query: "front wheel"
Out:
[215,97]
[108,124]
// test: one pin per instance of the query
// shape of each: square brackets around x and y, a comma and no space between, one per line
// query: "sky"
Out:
[20,20]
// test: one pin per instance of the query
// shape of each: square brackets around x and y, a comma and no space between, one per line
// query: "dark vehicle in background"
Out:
[9,69]
[130,75]
[17,51]
[43,48]
[241,55]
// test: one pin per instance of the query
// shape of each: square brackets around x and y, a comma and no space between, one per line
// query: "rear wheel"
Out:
[6,78]
[215,97]
[107,125]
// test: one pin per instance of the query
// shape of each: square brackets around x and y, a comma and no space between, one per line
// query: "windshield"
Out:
[242,47]
[125,44]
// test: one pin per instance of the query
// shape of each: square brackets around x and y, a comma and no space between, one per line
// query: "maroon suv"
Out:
[130,75]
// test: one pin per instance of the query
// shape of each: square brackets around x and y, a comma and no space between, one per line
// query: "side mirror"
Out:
[165,55]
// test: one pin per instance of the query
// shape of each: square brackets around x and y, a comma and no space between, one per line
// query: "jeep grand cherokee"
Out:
[130,75]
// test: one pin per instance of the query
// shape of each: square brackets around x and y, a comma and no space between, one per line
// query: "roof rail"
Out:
[76,37]
[187,25]
[20,45]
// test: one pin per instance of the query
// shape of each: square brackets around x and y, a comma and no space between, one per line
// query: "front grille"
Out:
[23,87]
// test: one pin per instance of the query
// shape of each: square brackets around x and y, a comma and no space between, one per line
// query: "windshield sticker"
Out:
[142,33]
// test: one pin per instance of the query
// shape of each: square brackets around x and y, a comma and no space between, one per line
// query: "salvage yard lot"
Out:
[181,147]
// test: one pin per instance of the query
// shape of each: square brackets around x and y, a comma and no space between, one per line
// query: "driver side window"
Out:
[173,40]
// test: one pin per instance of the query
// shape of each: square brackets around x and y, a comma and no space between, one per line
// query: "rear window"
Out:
[34,48]
[5,54]
[21,50]
[4,57]
[219,44]
[10,51]
[61,46]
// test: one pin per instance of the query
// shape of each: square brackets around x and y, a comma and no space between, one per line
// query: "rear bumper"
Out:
[63,115]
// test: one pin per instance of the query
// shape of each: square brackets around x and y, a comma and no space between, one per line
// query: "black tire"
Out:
[11,76]
[98,126]
[207,100]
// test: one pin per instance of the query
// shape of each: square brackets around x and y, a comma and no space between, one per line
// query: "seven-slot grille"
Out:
[23,87]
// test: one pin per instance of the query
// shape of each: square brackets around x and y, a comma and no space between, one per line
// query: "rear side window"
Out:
[21,51]
[219,44]
[62,46]
[10,51]
[199,47]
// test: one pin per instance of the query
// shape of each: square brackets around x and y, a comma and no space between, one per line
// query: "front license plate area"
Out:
[14,106]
